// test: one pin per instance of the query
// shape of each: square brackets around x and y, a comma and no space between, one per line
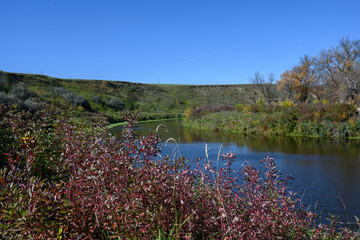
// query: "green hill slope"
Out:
[109,97]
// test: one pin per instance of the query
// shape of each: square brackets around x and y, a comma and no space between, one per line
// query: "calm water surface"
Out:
[326,172]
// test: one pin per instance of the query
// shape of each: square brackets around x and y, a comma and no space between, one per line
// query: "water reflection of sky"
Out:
[323,170]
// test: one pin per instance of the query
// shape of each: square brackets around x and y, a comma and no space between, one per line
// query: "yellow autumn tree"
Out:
[301,80]
[287,83]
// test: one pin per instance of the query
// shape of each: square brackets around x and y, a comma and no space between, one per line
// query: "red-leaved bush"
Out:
[69,181]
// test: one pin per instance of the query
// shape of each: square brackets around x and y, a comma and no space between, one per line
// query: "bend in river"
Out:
[326,172]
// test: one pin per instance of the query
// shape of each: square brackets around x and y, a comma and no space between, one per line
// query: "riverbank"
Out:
[310,120]
[142,121]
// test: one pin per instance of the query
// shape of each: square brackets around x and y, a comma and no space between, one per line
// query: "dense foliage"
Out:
[65,180]
[316,119]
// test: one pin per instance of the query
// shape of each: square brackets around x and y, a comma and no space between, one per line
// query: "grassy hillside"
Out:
[94,97]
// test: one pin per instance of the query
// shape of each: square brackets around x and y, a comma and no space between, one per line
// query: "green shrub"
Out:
[239,107]
[116,104]
[22,92]
[286,103]
[72,97]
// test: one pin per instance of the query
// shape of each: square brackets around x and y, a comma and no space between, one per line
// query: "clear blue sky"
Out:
[177,41]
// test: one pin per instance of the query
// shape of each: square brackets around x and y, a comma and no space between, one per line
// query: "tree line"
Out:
[334,75]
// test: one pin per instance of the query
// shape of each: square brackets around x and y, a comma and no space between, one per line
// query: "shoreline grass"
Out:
[142,121]
[306,120]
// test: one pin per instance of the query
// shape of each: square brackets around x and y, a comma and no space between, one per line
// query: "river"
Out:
[326,172]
